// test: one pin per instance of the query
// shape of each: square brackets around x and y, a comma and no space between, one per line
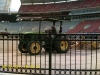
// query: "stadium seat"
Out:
[93,27]
[96,3]
[22,8]
[74,5]
[79,28]
[86,3]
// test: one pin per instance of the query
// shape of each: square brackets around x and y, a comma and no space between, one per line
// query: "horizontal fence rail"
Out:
[50,54]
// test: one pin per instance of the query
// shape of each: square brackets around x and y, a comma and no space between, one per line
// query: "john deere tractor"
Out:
[33,43]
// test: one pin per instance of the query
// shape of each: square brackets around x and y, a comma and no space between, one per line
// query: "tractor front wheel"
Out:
[34,47]
[22,47]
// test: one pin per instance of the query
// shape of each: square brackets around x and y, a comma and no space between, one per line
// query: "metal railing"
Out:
[50,54]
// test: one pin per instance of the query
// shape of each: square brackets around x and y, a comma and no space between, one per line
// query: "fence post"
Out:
[50,51]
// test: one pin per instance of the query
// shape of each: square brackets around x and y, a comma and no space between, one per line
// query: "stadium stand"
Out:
[87,26]
[44,8]
[51,7]
[74,5]
[63,6]
[59,6]
[80,27]
[86,3]
[98,30]
[40,8]
[30,8]
[34,26]
[22,8]
[96,3]
[68,27]
[93,27]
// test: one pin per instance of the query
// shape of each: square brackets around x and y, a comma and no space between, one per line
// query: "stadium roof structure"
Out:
[4,5]
[44,1]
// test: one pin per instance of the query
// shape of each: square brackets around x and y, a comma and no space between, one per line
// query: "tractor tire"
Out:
[61,45]
[22,47]
[34,47]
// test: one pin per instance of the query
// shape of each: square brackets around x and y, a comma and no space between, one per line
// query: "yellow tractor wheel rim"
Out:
[35,47]
[64,45]
[23,49]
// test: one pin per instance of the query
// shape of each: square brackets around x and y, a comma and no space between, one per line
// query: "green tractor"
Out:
[33,43]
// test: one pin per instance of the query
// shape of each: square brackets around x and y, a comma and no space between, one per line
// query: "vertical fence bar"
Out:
[8,52]
[75,54]
[81,47]
[55,62]
[3,53]
[86,57]
[70,60]
[12,53]
[21,60]
[96,52]
[50,55]
[80,52]
[26,54]
[60,58]
[30,63]
[35,58]
[65,54]
[40,58]
[91,54]
[45,51]
[16,53]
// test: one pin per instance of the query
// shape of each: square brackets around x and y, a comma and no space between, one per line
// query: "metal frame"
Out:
[52,62]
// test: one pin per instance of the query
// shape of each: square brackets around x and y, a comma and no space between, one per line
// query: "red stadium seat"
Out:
[62,6]
[22,8]
[86,3]
[30,8]
[93,27]
[59,6]
[41,8]
[96,3]
[74,5]
[51,7]
[79,28]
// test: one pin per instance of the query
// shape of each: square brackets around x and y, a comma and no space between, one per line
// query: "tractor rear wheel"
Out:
[34,47]
[61,45]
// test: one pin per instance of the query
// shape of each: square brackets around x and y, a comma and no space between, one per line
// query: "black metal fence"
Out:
[48,54]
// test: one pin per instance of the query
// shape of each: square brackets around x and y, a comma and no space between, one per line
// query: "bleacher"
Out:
[34,26]
[74,5]
[93,27]
[98,30]
[79,27]
[86,3]
[68,27]
[96,3]
[87,26]
[59,6]
[40,8]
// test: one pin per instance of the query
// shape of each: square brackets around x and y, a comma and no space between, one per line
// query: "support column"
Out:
[60,27]
[39,26]
[54,23]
